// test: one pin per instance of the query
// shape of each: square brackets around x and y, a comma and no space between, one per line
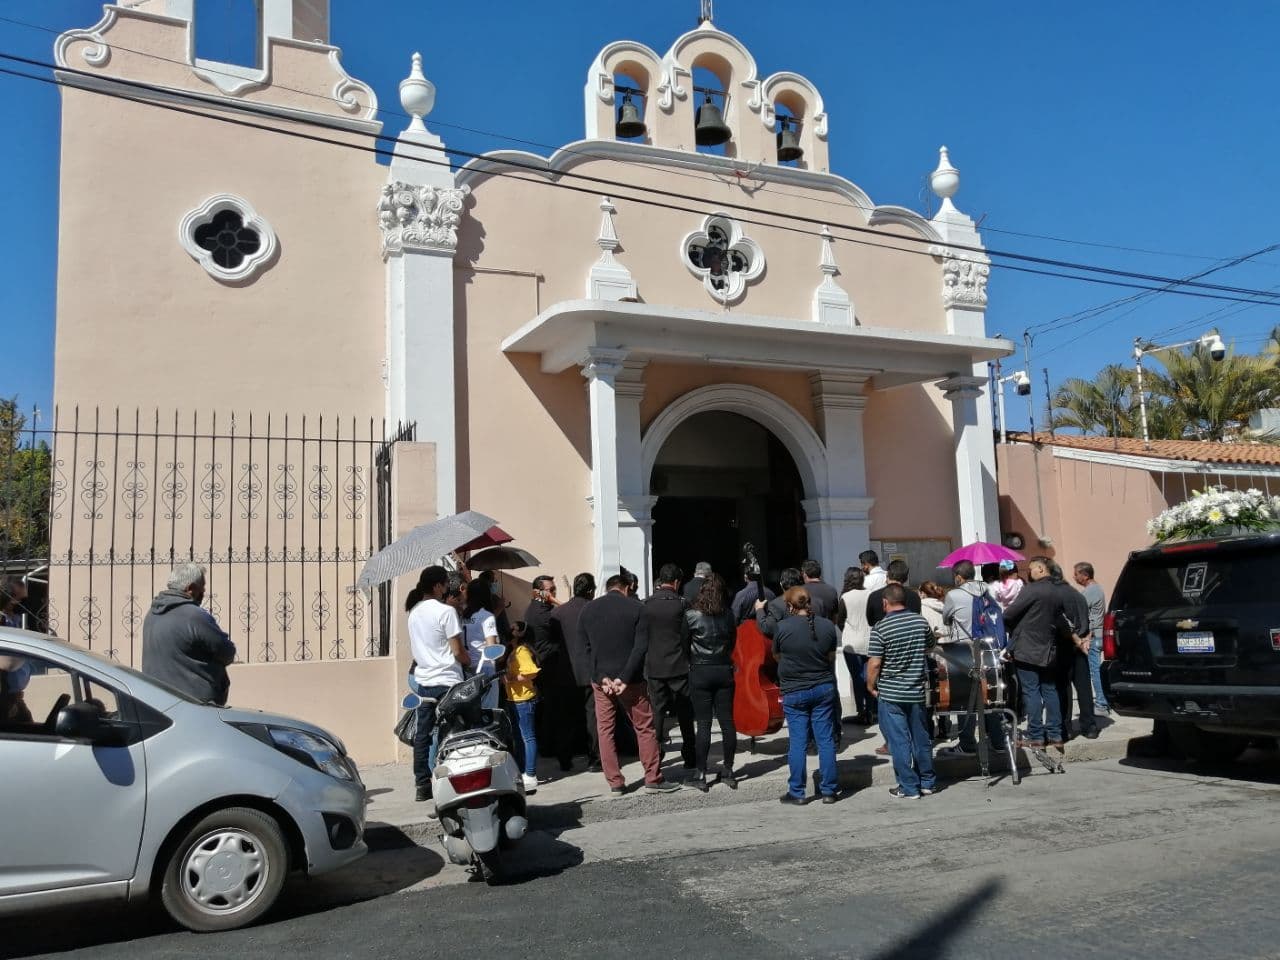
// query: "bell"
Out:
[710,130]
[788,144]
[629,123]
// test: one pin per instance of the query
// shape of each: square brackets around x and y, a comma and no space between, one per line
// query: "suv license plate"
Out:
[1199,642]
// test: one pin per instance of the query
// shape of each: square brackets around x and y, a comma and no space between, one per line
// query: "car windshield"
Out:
[138,674]
[1199,578]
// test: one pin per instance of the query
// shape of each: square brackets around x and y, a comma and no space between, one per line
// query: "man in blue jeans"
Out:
[1034,618]
[896,676]
[1097,602]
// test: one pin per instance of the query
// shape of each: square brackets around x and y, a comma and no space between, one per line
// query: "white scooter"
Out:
[476,783]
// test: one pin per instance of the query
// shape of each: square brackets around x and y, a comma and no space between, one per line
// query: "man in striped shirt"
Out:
[896,675]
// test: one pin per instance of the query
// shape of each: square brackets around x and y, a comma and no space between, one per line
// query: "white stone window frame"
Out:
[253,263]
[737,282]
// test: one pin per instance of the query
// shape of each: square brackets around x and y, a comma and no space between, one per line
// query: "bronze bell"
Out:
[788,142]
[629,122]
[710,130]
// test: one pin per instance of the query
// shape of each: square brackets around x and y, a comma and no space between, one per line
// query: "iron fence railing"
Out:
[282,511]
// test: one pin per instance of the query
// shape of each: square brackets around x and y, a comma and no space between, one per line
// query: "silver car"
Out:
[119,787]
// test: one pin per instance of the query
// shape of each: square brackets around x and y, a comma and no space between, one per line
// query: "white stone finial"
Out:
[417,95]
[832,304]
[945,180]
[828,264]
[608,279]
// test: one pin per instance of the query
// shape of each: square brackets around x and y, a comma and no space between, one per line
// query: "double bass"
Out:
[757,699]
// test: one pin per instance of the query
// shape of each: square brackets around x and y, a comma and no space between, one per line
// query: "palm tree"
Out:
[1105,405]
[1214,399]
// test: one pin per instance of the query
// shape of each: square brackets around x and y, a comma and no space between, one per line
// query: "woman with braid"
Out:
[805,646]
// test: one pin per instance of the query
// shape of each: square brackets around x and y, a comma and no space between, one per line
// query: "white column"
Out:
[965,272]
[838,519]
[635,533]
[419,213]
[975,487]
[601,368]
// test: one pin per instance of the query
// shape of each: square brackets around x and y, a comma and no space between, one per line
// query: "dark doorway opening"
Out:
[723,480]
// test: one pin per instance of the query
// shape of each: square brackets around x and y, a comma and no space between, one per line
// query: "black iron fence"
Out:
[282,511]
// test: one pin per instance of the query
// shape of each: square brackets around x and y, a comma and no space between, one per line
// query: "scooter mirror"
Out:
[411,701]
[493,651]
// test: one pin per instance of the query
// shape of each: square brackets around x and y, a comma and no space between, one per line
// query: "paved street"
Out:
[1114,859]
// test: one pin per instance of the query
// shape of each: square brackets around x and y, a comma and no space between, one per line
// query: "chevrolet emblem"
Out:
[1188,624]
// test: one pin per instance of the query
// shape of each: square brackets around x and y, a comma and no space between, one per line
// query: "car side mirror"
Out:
[84,721]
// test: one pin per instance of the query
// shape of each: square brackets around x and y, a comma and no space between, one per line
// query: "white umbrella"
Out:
[423,546]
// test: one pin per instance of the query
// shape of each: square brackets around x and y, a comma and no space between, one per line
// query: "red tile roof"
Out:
[1203,451]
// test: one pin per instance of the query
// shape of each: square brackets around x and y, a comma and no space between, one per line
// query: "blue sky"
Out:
[1136,125]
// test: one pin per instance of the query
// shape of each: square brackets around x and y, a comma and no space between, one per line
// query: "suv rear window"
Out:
[1199,578]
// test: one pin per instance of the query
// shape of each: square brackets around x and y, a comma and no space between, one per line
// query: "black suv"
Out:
[1193,639]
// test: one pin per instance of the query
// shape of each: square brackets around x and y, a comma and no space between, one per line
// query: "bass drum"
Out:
[951,678]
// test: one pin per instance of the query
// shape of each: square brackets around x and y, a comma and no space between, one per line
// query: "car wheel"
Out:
[1206,746]
[226,872]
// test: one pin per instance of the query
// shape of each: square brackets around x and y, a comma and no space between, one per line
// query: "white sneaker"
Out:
[530,783]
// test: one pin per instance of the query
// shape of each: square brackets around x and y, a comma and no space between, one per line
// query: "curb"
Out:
[856,773]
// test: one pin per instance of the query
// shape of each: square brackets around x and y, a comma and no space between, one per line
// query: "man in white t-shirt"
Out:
[435,638]
[874,575]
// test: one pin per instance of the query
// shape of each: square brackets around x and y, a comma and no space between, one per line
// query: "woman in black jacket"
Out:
[709,633]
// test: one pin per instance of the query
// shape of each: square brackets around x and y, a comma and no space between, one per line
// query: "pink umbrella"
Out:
[981,552]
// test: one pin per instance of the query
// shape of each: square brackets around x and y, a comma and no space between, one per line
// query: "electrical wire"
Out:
[401,151]
[706,178]
[257,110]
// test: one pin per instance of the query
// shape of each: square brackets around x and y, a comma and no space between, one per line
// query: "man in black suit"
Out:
[557,690]
[564,630]
[608,635]
[897,573]
[700,573]
[661,633]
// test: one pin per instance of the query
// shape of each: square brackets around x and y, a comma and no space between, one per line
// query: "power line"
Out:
[436,121]
[253,110]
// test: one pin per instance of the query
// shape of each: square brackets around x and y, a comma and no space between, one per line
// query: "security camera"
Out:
[1217,349]
[1023,384]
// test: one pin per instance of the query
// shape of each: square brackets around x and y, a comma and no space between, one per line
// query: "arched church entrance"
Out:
[721,480]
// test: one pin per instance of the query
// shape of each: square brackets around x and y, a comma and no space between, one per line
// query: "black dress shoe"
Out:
[421,794]
[594,767]
[699,782]
[830,797]
[793,801]
[1090,734]
[729,778]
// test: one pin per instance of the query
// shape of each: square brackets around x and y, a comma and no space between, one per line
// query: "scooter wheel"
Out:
[489,866]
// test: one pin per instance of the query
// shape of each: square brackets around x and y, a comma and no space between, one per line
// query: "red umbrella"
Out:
[490,538]
[981,552]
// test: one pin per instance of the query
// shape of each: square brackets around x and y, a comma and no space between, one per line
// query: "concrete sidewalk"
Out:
[567,800]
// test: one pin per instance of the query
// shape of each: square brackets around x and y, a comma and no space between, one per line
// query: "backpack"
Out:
[988,620]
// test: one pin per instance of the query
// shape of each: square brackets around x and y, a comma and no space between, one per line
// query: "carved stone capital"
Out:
[964,278]
[962,387]
[603,363]
[420,218]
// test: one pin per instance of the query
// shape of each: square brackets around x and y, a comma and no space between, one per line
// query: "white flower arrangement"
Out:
[1208,511]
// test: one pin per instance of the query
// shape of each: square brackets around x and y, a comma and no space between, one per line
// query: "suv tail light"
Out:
[1109,647]
[474,780]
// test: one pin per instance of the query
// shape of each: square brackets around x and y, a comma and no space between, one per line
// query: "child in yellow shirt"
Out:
[522,668]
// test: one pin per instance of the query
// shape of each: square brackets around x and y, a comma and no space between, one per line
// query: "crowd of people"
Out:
[582,676]
[586,673]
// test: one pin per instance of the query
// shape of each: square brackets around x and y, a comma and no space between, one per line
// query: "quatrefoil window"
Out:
[724,259]
[227,237]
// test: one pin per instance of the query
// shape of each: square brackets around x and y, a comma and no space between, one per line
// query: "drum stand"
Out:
[978,709]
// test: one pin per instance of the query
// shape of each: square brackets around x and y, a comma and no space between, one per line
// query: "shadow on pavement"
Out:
[932,939]
[1254,766]
[394,864]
